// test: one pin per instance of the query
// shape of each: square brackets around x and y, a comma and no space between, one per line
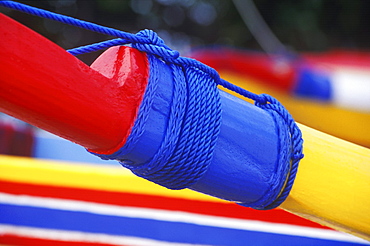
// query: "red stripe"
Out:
[10,239]
[155,202]
[350,58]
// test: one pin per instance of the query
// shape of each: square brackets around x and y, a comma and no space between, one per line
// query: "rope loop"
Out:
[268,102]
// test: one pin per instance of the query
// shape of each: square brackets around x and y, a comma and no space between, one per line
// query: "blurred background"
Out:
[307,25]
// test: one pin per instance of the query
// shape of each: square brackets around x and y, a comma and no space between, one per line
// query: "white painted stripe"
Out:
[351,89]
[177,216]
[77,237]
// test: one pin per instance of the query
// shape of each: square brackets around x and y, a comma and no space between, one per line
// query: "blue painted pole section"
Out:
[246,154]
[244,167]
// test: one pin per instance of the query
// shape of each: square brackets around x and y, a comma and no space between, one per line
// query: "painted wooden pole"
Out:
[332,184]
[47,87]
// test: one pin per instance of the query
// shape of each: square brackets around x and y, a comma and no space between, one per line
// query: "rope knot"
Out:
[151,37]
[151,43]
[264,99]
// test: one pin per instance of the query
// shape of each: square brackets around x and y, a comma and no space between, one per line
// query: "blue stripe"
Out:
[146,228]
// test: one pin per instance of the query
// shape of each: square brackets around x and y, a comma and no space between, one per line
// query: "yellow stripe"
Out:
[109,178]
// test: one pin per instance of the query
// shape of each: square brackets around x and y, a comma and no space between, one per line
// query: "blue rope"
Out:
[272,105]
[187,148]
[177,154]
[97,46]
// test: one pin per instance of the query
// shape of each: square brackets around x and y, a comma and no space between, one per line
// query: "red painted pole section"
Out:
[45,86]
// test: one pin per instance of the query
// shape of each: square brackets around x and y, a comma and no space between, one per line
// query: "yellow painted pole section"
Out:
[333,184]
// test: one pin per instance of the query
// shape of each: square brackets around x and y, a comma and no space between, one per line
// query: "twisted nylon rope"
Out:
[150,43]
[193,126]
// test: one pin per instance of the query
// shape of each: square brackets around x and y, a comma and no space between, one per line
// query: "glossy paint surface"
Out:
[45,86]
[128,71]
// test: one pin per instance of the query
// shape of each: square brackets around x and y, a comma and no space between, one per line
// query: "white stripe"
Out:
[177,216]
[76,237]
[351,89]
